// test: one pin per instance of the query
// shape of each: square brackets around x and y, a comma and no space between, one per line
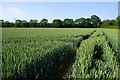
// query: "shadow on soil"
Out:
[54,65]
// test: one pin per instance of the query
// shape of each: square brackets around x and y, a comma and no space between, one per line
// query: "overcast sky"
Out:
[55,10]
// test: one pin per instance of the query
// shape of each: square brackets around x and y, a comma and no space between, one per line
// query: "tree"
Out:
[112,22]
[57,23]
[12,24]
[44,23]
[88,23]
[118,21]
[33,23]
[107,23]
[68,23]
[24,23]
[80,22]
[1,23]
[6,24]
[18,23]
[95,20]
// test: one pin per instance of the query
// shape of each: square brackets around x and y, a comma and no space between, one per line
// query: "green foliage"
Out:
[57,53]
[95,20]
[44,23]
[97,34]
[113,38]
[33,23]
[68,23]
[80,22]
[22,53]
[37,54]
[25,23]
[114,41]
[18,23]
[118,21]
[57,23]
[95,59]
[43,32]
[109,24]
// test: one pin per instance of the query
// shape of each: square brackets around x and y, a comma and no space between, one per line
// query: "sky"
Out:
[57,10]
[60,0]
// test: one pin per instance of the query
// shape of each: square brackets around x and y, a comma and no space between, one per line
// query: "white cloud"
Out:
[9,13]
[14,11]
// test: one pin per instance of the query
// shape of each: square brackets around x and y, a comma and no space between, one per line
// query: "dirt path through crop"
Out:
[69,62]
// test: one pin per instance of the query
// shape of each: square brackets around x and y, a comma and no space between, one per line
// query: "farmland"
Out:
[59,53]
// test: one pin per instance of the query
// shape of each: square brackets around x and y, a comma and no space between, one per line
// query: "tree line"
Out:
[92,22]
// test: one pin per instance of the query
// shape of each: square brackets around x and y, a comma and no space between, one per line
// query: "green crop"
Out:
[59,53]
[95,59]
